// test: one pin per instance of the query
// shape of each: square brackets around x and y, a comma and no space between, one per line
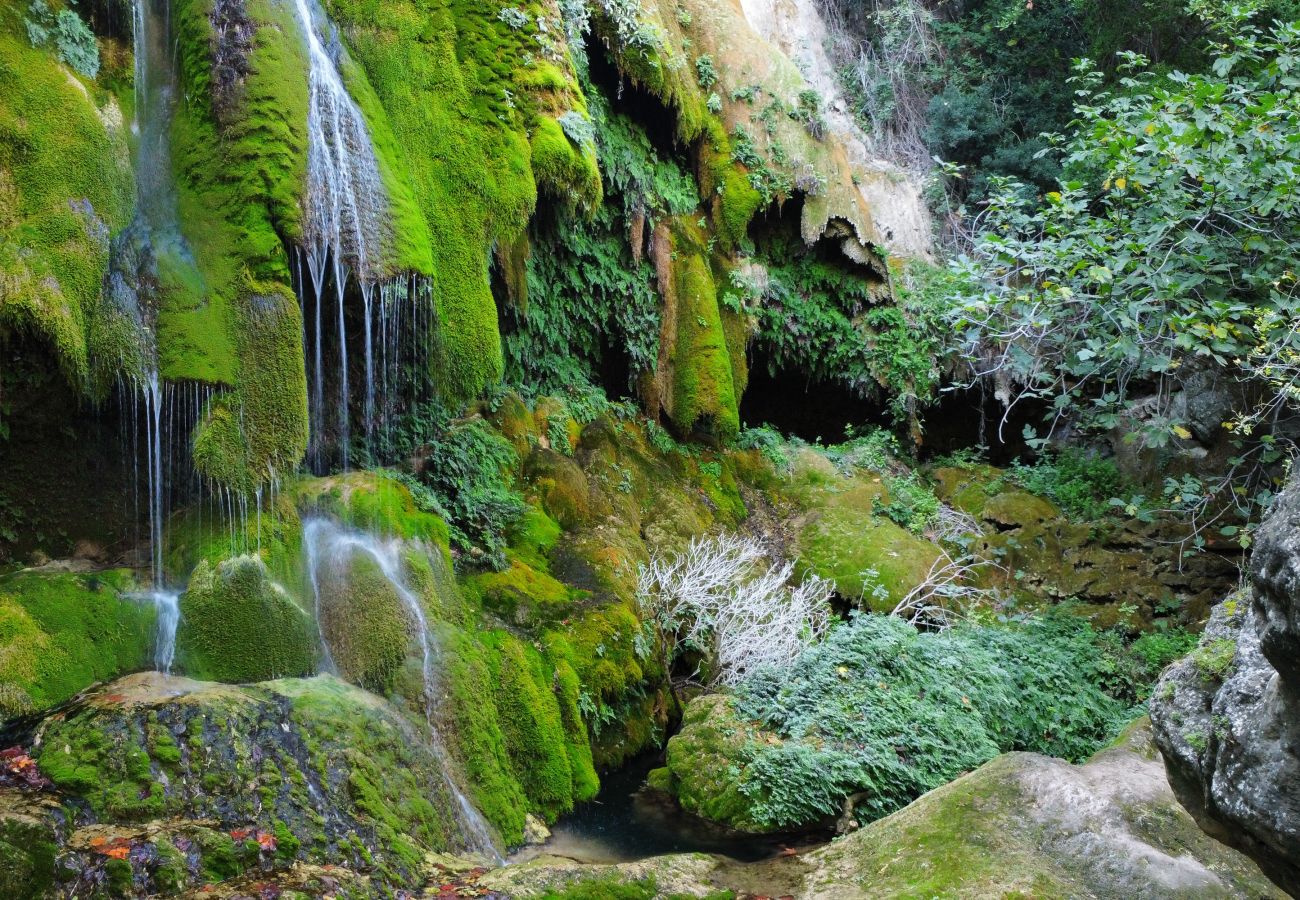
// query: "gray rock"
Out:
[1227,718]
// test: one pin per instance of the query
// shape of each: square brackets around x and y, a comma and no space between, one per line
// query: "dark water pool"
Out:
[627,822]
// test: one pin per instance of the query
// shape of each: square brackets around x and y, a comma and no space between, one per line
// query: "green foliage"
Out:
[588,294]
[822,317]
[1163,256]
[68,34]
[881,708]
[466,478]
[1081,483]
[705,72]
[912,503]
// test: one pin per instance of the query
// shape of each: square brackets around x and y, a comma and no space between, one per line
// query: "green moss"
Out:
[703,394]
[563,168]
[238,625]
[701,763]
[27,856]
[462,90]
[239,174]
[63,632]
[364,621]
[522,594]
[533,537]
[531,724]
[476,732]
[65,186]
[844,544]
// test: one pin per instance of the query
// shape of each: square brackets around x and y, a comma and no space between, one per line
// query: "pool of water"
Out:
[628,821]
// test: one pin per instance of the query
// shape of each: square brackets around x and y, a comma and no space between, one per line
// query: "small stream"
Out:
[627,822]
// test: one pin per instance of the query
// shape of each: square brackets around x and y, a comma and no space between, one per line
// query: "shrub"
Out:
[466,477]
[1081,484]
[723,598]
[882,709]
[71,37]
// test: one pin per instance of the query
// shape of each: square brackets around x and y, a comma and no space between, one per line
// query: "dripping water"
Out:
[329,548]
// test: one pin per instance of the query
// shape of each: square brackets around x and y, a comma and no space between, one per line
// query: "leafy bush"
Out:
[1082,484]
[768,441]
[912,503]
[70,36]
[1162,261]
[881,708]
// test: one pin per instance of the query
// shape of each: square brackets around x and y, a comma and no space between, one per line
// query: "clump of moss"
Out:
[65,187]
[238,625]
[702,397]
[63,632]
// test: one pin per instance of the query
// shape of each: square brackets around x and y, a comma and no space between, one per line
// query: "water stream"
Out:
[329,549]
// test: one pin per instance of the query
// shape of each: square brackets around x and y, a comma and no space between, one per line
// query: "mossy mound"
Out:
[65,187]
[701,763]
[332,773]
[363,619]
[61,632]
[238,625]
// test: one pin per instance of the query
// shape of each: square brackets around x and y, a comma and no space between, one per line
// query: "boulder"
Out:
[1227,718]
[178,783]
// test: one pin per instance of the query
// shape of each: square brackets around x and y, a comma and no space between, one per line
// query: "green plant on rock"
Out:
[68,34]
[882,709]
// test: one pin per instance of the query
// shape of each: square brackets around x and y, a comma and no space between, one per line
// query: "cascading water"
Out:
[345,222]
[346,239]
[330,549]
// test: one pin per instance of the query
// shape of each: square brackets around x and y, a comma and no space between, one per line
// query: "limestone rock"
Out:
[1227,718]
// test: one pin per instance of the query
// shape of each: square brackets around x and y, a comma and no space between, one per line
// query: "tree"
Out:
[1166,252]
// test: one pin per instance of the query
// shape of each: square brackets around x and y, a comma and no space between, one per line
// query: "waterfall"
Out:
[346,211]
[328,548]
[167,603]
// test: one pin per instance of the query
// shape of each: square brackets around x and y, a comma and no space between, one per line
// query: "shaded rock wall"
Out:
[1227,718]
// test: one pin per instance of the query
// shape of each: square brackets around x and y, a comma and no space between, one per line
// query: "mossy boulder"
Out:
[1028,825]
[332,773]
[238,625]
[60,632]
[704,762]
[363,619]
[844,539]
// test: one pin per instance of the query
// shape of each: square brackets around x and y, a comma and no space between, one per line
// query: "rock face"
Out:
[1022,825]
[1227,718]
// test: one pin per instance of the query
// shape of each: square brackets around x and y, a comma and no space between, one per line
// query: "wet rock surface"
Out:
[164,784]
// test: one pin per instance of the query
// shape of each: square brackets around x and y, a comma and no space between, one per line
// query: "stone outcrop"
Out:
[1023,825]
[1227,718]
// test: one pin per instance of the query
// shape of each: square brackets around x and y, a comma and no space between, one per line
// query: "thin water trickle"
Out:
[329,549]
[167,603]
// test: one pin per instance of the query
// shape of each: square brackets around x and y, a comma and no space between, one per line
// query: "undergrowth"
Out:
[884,709]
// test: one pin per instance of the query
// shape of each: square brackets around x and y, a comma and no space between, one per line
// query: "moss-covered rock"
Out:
[1028,825]
[60,632]
[702,762]
[329,772]
[238,625]
[363,619]
[65,187]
